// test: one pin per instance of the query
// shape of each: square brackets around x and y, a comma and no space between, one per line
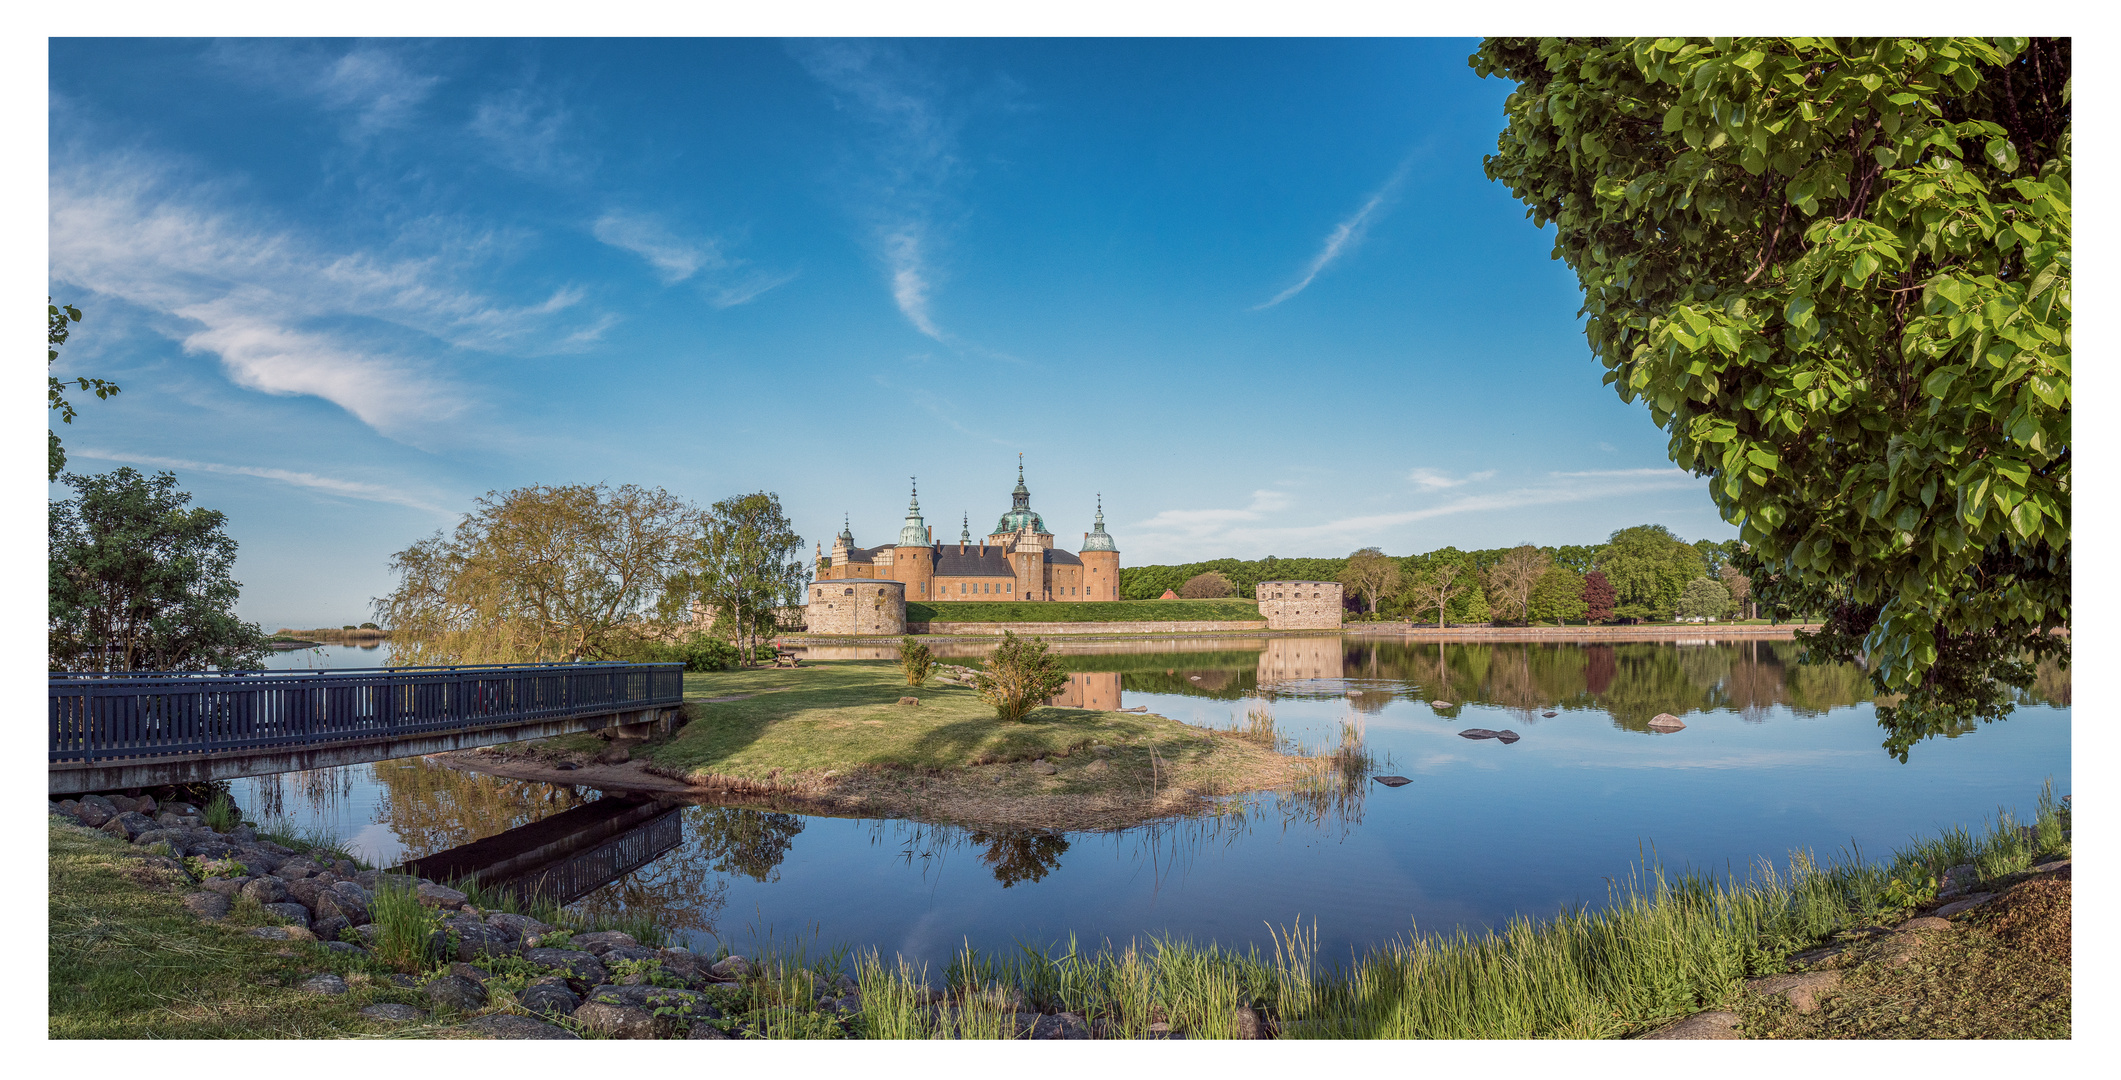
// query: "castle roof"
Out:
[1020,513]
[1097,539]
[976,560]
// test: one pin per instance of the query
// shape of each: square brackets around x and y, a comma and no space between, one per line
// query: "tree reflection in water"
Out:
[434,808]
[1018,855]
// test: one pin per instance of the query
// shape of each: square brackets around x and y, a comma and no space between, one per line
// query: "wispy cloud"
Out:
[674,258]
[377,88]
[1263,525]
[1668,471]
[1345,236]
[913,157]
[1432,480]
[330,485]
[285,312]
[525,129]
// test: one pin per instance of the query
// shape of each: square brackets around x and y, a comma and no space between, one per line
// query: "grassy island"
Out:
[833,736]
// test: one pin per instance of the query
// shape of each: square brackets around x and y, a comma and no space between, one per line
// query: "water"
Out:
[329,655]
[1774,756]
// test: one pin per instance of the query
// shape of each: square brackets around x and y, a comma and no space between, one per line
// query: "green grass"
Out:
[127,961]
[986,611]
[842,715]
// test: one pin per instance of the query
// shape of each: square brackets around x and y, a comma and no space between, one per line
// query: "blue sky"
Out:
[1257,293]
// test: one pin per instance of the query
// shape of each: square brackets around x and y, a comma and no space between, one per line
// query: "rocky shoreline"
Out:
[497,974]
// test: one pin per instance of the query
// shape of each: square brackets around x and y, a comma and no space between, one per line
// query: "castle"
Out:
[1017,561]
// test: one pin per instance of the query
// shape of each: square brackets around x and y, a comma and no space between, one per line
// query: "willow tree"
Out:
[540,574]
[746,567]
[1837,271]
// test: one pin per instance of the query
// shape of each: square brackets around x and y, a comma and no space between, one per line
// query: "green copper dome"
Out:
[915,532]
[1099,539]
[1020,513]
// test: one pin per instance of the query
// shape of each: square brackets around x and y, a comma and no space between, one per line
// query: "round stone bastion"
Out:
[856,606]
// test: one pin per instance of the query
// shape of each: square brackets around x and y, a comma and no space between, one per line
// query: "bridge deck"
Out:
[132,729]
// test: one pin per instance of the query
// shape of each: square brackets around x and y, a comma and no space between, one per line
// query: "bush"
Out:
[1209,586]
[1019,676]
[370,626]
[703,652]
[916,660]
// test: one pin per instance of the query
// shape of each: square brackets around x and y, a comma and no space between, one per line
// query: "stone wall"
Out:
[1290,659]
[1026,629]
[860,606]
[1300,605]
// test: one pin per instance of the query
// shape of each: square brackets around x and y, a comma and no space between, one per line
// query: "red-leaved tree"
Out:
[1599,596]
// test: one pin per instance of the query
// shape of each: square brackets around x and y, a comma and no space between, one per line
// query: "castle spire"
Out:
[915,532]
[965,535]
[1097,539]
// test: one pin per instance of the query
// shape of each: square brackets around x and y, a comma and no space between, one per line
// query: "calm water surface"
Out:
[1774,756]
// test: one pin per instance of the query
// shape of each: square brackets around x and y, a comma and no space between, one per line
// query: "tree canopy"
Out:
[1207,586]
[139,582]
[1648,568]
[746,564]
[540,574]
[58,327]
[1837,271]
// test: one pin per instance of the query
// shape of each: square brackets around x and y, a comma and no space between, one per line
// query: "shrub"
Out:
[916,660]
[1209,586]
[405,938]
[702,652]
[1019,676]
[370,626]
[220,814]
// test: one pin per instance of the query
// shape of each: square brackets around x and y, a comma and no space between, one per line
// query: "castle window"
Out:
[849,592]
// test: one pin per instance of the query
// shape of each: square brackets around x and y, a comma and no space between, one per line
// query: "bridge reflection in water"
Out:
[567,856]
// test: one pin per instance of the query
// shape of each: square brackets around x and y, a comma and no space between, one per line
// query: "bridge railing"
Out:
[102,715]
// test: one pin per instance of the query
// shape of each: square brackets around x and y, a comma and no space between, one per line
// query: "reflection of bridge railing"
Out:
[98,716]
[566,856]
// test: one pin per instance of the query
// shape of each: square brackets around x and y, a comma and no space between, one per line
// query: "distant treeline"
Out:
[1649,567]
[363,632]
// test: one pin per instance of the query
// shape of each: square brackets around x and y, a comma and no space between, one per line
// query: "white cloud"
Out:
[1344,237]
[1261,526]
[353,489]
[909,278]
[674,259]
[526,131]
[914,157]
[369,331]
[1432,480]
[1669,471]
[749,289]
[374,86]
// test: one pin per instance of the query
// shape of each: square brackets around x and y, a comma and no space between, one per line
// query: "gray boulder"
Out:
[601,940]
[684,964]
[616,1021]
[509,1026]
[95,810]
[1665,722]
[519,925]
[394,1013]
[327,927]
[266,890]
[627,952]
[730,969]
[292,914]
[456,992]
[295,868]
[549,999]
[476,939]
[128,824]
[1392,781]
[439,896]
[1701,1025]
[1479,733]
[326,983]
[303,890]
[1958,879]
[259,859]
[230,887]
[346,947]
[243,834]
[68,807]
[581,967]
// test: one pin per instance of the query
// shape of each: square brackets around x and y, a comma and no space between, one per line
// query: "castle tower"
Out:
[1100,560]
[843,543]
[913,561]
[1020,515]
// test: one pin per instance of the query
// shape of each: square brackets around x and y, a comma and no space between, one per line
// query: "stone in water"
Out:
[1392,781]
[1665,721]
[1507,736]
[1479,733]
[1548,713]
[1440,704]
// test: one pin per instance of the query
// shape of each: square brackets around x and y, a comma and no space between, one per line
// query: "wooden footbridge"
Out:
[117,730]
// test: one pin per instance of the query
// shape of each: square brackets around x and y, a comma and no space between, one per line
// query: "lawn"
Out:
[127,961]
[1086,611]
[834,732]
